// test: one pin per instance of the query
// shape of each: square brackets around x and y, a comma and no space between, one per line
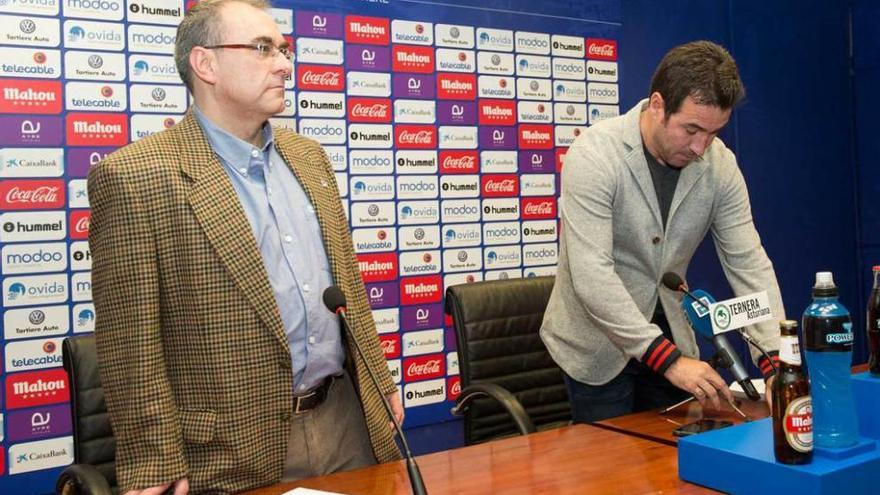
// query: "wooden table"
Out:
[577,459]
[657,427]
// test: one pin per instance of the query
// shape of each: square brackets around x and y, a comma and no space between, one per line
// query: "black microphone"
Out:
[334,300]
[700,323]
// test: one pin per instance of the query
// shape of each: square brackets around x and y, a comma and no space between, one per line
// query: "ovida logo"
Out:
[418,212]
[495,39]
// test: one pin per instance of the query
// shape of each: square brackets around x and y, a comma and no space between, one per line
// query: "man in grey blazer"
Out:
[639,193]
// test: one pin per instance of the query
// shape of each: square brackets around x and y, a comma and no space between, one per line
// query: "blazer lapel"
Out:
[686,182]
[635,160]
[218,211]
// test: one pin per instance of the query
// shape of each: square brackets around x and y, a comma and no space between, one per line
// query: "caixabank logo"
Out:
[96,129]
[387,320]
[31,162]
[30,96]
[367,30]
[43,454]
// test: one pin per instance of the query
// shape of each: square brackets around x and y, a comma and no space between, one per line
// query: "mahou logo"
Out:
[535,137]
[79,224]
[367,30]
[456,86]
[421,290]
[390,345]
[378,267]
[601,49]
[36,388]
[538,208]
[412,58]
[415,136]
[424,367]
[497,112]
[453,387]
[320,78]
[369,110]
[97,129]
[499,186]
[29,96]
[459,162]
[32,194]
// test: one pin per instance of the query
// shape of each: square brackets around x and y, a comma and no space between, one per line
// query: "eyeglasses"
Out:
[265,50]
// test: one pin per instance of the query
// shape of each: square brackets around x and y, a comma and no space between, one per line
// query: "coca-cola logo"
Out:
[539,208]
[416,136]
[318,77]
[79,222]
[369,110]
[423,368]
[601,49]
[29,195]
[390,344]
[500,185]
[453,387]
[462,162]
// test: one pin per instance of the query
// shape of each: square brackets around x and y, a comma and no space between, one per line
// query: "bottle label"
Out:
[828,333]
[798,424]
[789,350]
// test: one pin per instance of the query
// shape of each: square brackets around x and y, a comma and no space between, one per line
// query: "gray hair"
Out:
[200,27]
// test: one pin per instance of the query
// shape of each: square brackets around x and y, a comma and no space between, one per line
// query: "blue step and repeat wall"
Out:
[447,125]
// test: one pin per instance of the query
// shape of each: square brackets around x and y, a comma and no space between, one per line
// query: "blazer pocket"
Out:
[197,425]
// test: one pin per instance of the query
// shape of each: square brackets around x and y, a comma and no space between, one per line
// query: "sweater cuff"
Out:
[660,355]
[765,366]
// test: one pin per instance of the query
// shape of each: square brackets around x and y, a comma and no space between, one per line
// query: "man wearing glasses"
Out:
[212,244]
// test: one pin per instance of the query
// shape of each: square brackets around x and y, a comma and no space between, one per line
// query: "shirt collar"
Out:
[232,150]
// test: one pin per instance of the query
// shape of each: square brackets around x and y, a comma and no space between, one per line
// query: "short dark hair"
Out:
[702,70]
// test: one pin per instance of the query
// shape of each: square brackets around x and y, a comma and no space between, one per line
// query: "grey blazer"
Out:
[614,250]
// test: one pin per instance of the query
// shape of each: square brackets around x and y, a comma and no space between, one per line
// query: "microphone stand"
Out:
[415,476]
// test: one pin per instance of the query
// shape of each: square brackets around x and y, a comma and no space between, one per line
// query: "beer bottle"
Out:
[792,405]
[874,325]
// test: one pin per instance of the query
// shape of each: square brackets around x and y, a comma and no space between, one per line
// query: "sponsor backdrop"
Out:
[447,128]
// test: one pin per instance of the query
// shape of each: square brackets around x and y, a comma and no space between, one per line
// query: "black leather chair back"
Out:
[93,441]
[497,324]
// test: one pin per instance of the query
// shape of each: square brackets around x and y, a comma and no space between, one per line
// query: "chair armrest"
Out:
[82,479]
[513,407]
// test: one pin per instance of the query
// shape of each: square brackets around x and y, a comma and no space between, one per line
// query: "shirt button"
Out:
[305,287]
[324,183]
[243,170]
[311,339]
[302,386]
[255,153]
[268,190]
[288,238]
[311,209]
[656,240]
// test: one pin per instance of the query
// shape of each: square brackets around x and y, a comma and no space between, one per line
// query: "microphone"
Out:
[697,313]
[334,300]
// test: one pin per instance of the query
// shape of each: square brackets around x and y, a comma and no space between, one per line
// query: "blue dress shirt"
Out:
[286,229]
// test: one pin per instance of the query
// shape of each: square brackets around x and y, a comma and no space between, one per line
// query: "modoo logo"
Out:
[536,43]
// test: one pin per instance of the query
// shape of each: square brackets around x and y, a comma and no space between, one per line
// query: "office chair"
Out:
[94,447]
[510,384]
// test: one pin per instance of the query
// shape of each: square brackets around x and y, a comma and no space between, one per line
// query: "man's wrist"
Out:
[661,354]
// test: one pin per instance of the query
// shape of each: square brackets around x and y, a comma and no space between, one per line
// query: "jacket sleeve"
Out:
[128,334]
[745,263]
[360,315]
[588,192]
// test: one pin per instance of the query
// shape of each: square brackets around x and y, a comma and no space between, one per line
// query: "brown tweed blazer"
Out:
[193,356]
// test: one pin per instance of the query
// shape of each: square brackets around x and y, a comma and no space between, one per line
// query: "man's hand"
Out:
[698,378]
[396,408]
[768,392]
[181,487]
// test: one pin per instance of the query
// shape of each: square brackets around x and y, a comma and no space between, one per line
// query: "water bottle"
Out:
[828,341]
